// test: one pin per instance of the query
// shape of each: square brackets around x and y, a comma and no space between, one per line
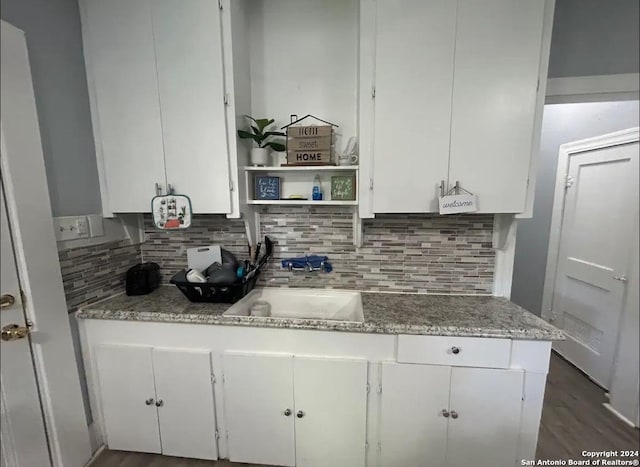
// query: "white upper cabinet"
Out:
[121,68]
[155,73]
[495,82]
[455,99]
[191,83]
[415,43]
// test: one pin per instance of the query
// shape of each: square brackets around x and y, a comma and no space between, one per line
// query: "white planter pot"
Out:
[259,156]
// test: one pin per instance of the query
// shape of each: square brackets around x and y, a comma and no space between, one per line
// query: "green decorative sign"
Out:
[343,187]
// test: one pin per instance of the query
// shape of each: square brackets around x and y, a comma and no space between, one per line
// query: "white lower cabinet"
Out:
[157,400]
[303,411]
[441,416]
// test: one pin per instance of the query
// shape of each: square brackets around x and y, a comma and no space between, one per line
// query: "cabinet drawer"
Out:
[455,351]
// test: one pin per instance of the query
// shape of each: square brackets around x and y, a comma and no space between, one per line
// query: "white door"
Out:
[22,435]
[498,44]
[485,408]
[188,45]
[120,59]
[413,425]
[415,41]
[127,394]
[258,407]
[184,396]
[600,213]
[331,412]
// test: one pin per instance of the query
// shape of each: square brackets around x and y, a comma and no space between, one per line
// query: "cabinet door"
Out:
[488,406]
[258,390]
[184,394]
[413,430]
[415,42]
[127,394]
[498,44]
[190,77]
[331,412]
[120,57]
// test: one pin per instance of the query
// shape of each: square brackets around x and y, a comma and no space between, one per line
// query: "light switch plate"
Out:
[70,228]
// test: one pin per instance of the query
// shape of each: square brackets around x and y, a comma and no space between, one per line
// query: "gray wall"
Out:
[54,40]
[562,123]
[594,37]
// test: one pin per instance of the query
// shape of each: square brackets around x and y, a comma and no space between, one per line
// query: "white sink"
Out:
[320,304]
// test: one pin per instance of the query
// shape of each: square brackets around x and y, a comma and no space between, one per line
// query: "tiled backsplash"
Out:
[92,273]
[404,253]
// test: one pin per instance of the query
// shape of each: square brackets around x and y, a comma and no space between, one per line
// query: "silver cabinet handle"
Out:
[445,413]
[300,414]
[454,414]
[455,350]
[159,403]
[158,189]
[149,401]
[287,412]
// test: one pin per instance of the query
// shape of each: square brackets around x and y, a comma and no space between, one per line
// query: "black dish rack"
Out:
[222,293]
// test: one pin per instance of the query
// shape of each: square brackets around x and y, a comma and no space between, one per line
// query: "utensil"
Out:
[257,252]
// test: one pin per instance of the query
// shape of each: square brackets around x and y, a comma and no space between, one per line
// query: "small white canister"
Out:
[261,309]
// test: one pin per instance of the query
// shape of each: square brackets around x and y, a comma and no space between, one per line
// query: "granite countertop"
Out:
[384,313]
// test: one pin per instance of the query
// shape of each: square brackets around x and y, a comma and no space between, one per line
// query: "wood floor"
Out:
[573,419]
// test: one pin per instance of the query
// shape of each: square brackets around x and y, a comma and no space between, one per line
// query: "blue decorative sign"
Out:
[267,188]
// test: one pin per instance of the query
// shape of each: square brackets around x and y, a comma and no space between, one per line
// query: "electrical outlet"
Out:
[71,228]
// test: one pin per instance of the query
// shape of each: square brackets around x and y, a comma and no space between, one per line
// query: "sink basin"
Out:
[320,304]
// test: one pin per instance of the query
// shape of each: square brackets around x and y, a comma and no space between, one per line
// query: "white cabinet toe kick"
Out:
[314,398]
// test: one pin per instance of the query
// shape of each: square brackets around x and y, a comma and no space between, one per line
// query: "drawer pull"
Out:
[454,414]
[455,350]
[445,413]
[148,401]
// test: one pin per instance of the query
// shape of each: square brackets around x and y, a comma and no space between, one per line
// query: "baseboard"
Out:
[95,438]
[619,415]
[95,455]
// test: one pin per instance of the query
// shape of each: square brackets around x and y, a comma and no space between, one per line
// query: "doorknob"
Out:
[12,332]
[7,300]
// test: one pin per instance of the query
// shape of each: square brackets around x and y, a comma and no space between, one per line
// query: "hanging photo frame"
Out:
[171,212]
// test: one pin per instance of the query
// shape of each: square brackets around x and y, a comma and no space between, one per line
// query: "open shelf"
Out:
[302,168]
[308,202]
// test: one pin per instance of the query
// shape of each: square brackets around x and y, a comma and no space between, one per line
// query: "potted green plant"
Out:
[263,138]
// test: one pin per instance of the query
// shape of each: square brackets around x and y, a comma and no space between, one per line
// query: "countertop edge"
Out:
[219,320]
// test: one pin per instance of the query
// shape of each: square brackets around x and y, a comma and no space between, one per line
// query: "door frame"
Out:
[29,214]
[617,138]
